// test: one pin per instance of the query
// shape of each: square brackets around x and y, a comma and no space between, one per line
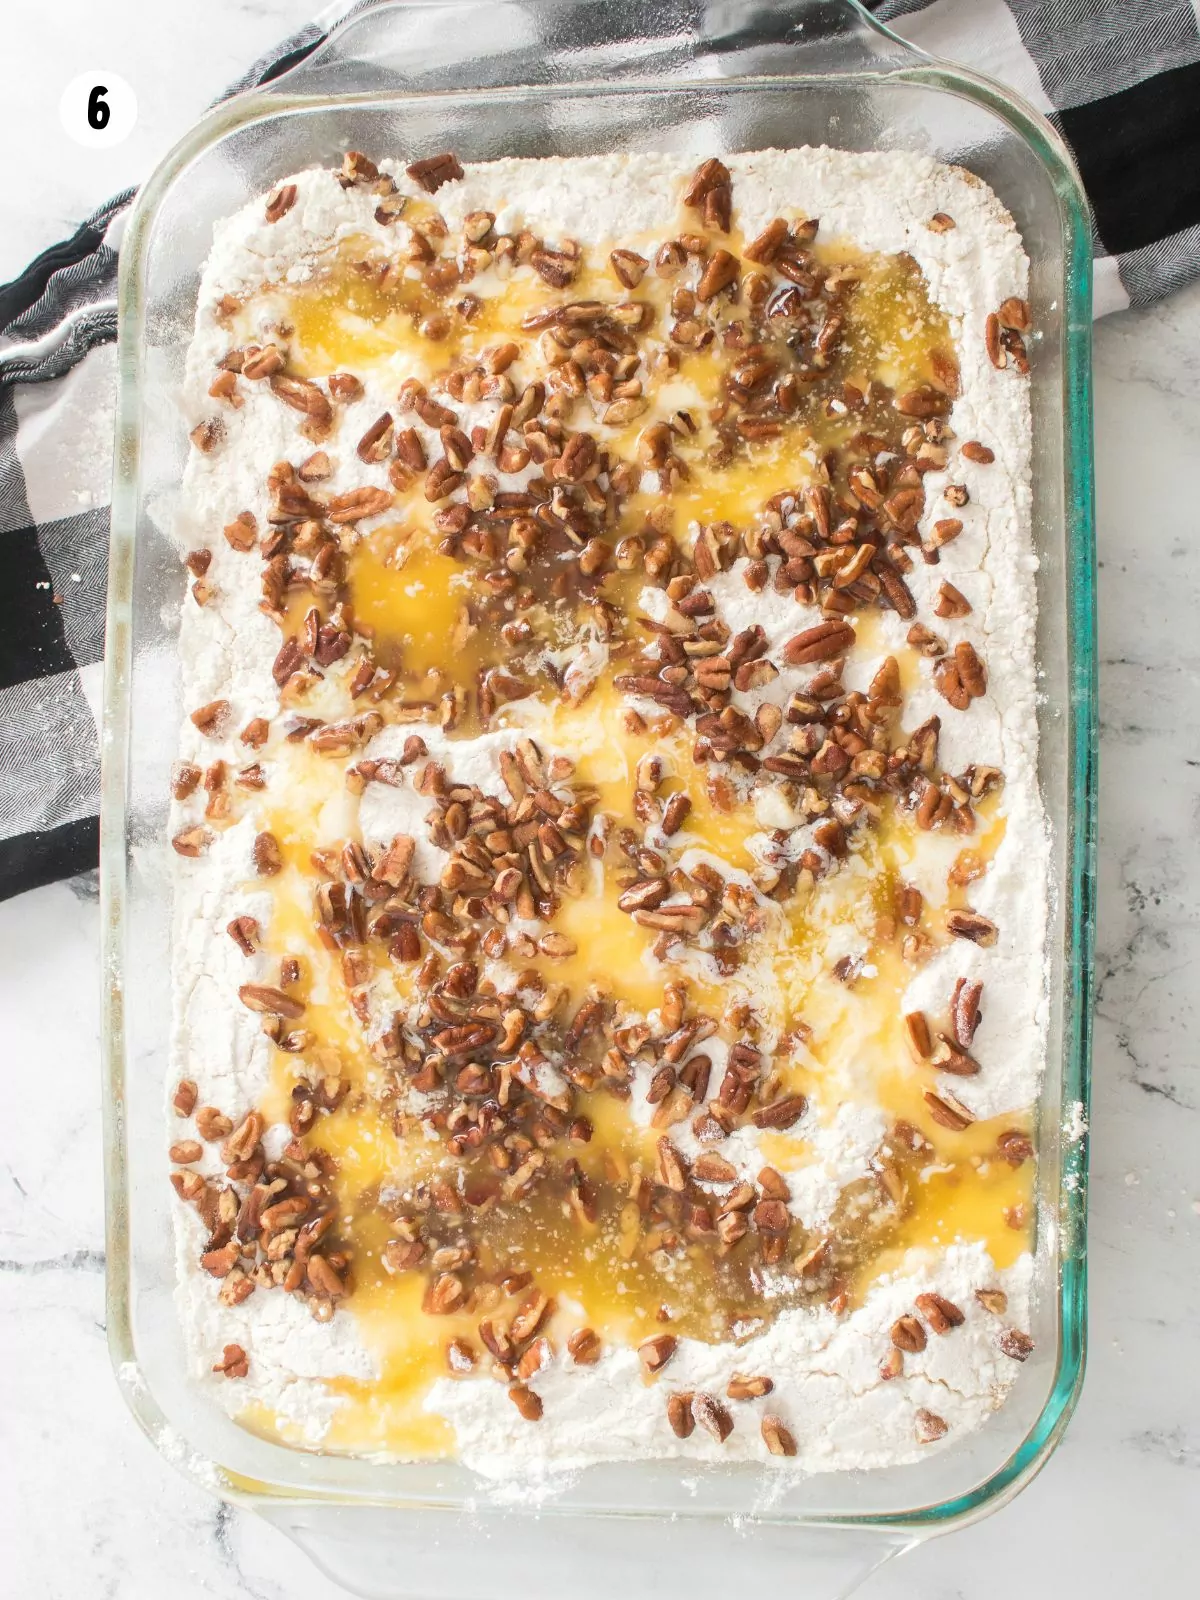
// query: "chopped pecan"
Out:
[183,1101]
[234,1362]
[527,1402]
[268,858]
[929,1426]
[964,1010]
[741,1387]
[356,504]
[583,1347]
[941,1314]
[820,643]
[357,168]
[191,841]
[777,1437]
[972,925]
[784,1113]
[947,1111]
[655,1352]
[211,719]
[908,1334]
[720,271]
[304,396]
[431,172]
[679,1415]
[712,1416]
[269,1000]
[1014,1343]
[281,201]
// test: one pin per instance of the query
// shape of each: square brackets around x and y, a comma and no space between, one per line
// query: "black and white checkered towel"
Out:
[1119,78]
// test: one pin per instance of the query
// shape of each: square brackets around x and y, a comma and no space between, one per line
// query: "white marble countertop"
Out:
[92,1511]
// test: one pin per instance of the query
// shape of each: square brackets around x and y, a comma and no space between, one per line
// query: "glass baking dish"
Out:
[551,77]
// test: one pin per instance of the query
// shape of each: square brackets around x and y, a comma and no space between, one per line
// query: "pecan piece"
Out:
[777,1437]
[971,671]
[555,267]
[930,1426]
[344,386]
[712,1416]
[241,533]
[185,779]
[951,602]
[1013,1342]
[442,480]
[281,201]
[192,841]
[675,813]
[941,1314]
[527,1402]
[212,1125]
[948,682]
[268,858]
[234,1362]
[972,925]
[964,1010]
[1015,314]
[359,503]
[908,1334]
[655,1352]
[629,267]
[765,245]
[720,271]
[431,172]
[270,1001]
[679,1415]
[376,444]
[820,643]
[183,1101]
[302,395]
[212,718]
[529,1317]
[741,1387]
[207,435]
[583,1347]
[710,174]
[264,363]
[916,1029]
[445,1295]
[244,932]
[947,1111]
[357,168]
[782,1113]
[922,402]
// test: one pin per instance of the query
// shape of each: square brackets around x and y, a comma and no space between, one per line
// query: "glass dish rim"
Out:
[1081,736]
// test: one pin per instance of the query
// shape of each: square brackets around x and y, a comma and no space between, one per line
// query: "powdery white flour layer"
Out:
[826,1369]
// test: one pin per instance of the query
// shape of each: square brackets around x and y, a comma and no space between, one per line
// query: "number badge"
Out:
[98,109]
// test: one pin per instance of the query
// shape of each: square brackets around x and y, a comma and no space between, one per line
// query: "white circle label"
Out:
[98,109]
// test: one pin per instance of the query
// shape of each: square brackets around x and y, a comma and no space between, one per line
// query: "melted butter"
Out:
[343,320]
[415,602]
[735,493]
[895,327]
[713,825]
[612,952]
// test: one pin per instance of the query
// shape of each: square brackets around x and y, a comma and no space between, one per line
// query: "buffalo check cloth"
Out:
[1120,79]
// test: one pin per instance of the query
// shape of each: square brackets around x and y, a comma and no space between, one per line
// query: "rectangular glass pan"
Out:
[571,80]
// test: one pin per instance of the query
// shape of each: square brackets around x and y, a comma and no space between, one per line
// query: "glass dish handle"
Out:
[384,1554]
[395,44]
